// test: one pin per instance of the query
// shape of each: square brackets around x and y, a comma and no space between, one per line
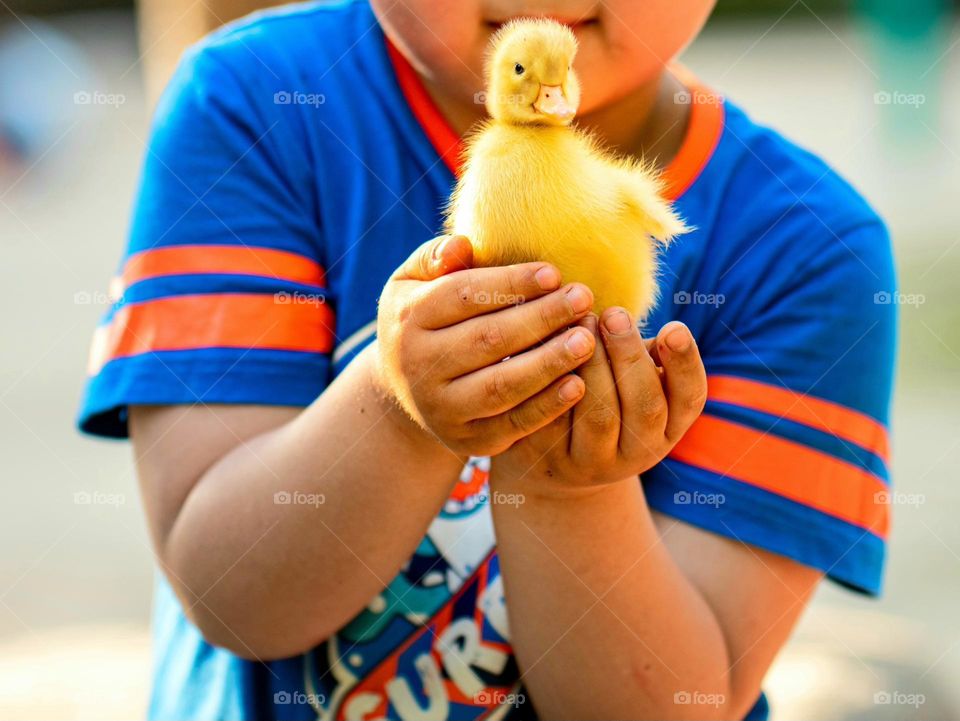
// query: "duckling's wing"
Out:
[641,192]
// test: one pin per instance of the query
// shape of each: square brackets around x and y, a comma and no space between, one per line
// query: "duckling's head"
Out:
[530,73]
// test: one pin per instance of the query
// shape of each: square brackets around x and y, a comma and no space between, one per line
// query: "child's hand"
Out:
[640,399]
[444,329]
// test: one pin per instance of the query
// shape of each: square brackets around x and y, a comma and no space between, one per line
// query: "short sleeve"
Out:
[221,296]
[791,453]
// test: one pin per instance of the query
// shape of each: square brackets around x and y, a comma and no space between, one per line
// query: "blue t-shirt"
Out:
[296,161]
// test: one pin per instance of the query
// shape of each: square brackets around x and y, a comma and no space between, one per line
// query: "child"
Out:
[315,390]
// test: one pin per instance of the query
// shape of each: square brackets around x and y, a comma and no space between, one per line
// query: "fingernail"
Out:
[578,343]
[547,278]
[678,340]
[569,390]
[618,322]
[439,248]
[579,298]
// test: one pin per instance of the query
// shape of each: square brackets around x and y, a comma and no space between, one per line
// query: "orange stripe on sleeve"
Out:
[840,421]
[216,320]
[787,469]
[230,259]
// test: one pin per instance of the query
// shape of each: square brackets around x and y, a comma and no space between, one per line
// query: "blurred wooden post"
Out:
[167,27]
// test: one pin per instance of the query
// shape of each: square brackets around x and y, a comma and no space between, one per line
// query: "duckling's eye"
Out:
[518,69]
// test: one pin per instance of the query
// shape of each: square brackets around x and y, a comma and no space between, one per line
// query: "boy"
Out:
[315,394]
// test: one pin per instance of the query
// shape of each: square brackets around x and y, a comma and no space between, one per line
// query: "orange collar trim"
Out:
[704,128]
[443,138]
[700,141]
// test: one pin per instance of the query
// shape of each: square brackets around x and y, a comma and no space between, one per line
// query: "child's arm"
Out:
[617,612]
[269,575]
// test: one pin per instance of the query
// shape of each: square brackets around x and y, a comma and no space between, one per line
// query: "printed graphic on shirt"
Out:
[435,643]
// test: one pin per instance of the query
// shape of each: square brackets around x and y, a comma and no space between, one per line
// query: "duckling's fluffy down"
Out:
[532,192]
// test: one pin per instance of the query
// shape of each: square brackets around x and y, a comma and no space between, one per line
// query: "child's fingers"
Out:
[642,401]
[596,419]
[499,387]
[444,254]
[651,345]
[686,379]
[480,342]
[534,413]
[478,291]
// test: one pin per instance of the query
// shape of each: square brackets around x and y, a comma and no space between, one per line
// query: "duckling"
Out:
[535,188]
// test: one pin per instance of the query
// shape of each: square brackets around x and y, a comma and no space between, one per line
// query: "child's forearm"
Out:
[289,535]
[603,622]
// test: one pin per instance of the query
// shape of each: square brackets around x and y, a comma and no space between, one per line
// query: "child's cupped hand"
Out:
[641,397]
[445,328]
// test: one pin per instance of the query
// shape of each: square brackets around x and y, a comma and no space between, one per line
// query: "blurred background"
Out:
[865,84]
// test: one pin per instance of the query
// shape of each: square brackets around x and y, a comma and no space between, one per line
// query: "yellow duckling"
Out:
[535,188]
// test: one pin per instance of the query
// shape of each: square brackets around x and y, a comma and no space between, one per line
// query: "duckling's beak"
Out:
[552,101]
